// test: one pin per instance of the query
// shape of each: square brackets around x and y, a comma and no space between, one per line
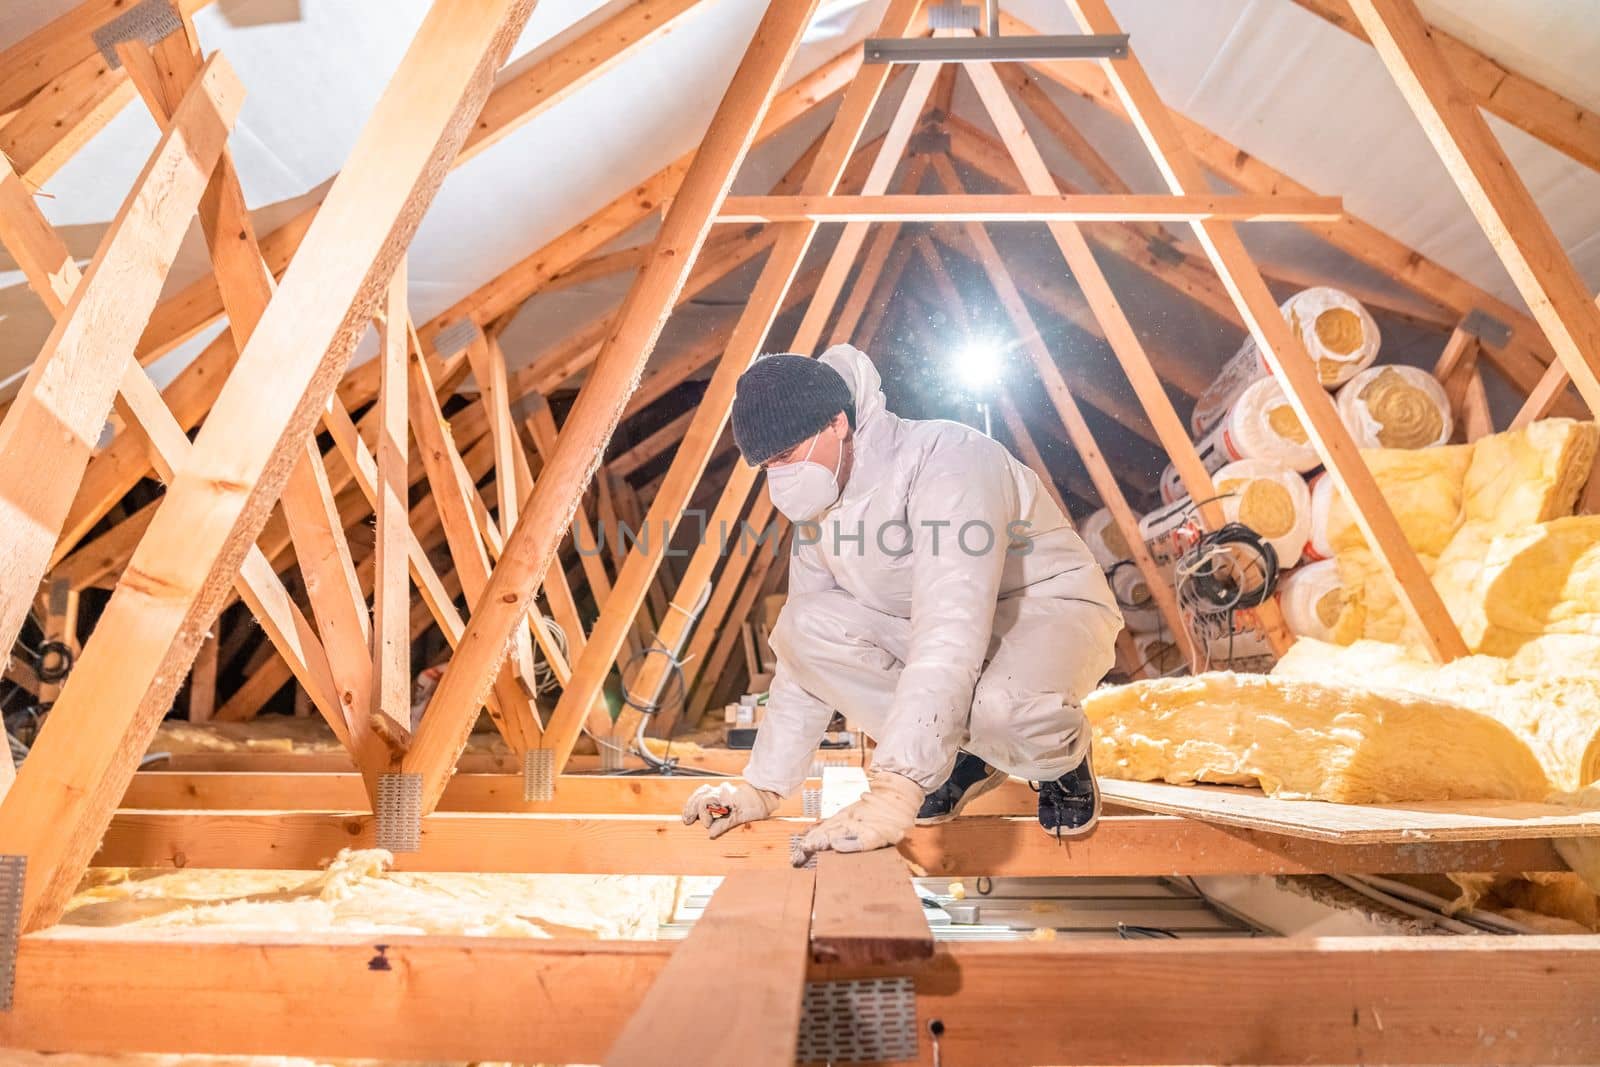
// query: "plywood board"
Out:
[1447,820]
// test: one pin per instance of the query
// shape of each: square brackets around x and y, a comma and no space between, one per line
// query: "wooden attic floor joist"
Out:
[1354,1000]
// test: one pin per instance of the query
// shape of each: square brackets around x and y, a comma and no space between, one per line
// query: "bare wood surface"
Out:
[1010,207]
[746,956]
[866,911]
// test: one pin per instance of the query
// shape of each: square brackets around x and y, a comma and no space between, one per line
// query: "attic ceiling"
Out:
[1269,75]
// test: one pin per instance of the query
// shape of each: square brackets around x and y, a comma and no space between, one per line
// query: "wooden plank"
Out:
[533,543]
[867,911]
[1518,230]
[710,672]
[177,578]
[58,415]
[449,999]
[391,583]
[30,65]
[203,682]
[51,271]
[1121,846]
[756,928]
[62,117]
[1557,120]
[1451,820]
[1011,207]
[1282,350]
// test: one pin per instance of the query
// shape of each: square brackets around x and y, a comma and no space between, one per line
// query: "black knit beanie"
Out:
[784,399]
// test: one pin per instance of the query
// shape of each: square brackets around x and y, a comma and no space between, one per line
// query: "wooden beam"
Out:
[57,417]
[391,583]
[757,926]
[1122,846]
[1557,120]
[1282,350]
[532,545]
[175,582]
[710,671]
[62,117]
[51,271]
[867,911]
[1518,230]
[1321,1001]
[30,65]
[1007,207]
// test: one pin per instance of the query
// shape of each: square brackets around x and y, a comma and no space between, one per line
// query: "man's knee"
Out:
[1027,732]
[808,620]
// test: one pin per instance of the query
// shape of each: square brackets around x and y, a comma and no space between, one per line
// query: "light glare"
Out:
[977,365]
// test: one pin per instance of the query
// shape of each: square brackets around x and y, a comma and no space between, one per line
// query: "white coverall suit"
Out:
[942,603]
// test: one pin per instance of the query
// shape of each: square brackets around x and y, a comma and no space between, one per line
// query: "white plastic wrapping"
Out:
[1139,612]
[1395,407]
[1311,598]
[1318,545]
[1106,543]
[1338,334]
[1169,531]
[1260,425]
[1272,500]
[1159,652]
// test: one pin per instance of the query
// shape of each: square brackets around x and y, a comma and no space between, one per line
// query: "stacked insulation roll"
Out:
[1261,424]
[1395,407]
[1337,332]
[1170,531]
[1138,607]
[1312,599]
[1270,499]
[1319,540]
[1105,542]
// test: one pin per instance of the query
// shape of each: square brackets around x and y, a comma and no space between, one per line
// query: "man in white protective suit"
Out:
[937,597]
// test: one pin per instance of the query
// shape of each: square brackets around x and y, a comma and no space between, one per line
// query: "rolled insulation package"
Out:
[1319,543]
[1106,543]
[1260,425]
[1172,489]
[1160,653]
[1138,607]
[1395,407]
[1312,598]
[1170,531]
[1272,500]
[1338,334]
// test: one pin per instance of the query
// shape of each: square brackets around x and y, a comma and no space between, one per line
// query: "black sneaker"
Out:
[1070,805]
[969,779]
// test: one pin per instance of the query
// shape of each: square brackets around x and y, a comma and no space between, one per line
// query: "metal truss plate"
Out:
[455,338]
[538,774]
[612,756]
[955,17]
[1486,328]
[400,812]
[811,803]
[794,851]
[13,870]
[868,1021]
[150,21]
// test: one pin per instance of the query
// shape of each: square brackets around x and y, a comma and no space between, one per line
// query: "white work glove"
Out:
[719,808]
[879,819]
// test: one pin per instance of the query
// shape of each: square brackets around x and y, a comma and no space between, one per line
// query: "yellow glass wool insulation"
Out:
[275,733]
[1452,503]
[357,892]
[1395,407]
[1556,715]
[1543,580]
[1306,740]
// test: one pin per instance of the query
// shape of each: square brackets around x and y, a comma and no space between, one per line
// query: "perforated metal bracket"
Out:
[400,812]
[811,803]
[150,21]
[955,17]
[455,338]
[539,774]
[867,1021]
[13,872]
[1486,328]
[611,756]
[1165,251]
[794,850]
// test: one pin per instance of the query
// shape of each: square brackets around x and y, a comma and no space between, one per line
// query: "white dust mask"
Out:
[804,490]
